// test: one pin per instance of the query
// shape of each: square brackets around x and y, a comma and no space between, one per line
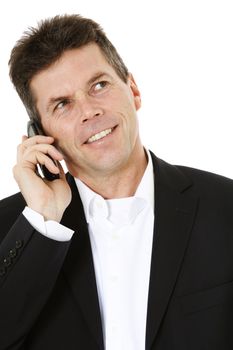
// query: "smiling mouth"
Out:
[100,135]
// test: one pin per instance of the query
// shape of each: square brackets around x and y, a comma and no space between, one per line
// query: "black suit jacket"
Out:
[48,294]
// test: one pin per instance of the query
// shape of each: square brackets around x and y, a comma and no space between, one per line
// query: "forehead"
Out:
[74,67]
[89,55]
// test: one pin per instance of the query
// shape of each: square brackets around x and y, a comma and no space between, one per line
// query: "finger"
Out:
[29,141]
[24,138]
[23,153]
[40,158]
[46,149]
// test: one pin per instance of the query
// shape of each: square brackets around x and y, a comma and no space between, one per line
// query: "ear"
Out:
[135,91]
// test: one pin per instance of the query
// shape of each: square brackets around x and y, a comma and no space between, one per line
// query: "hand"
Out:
[49,198]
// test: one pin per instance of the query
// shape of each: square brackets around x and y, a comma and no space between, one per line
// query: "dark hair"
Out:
[40,47]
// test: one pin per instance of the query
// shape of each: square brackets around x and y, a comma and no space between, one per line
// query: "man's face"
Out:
[89,110]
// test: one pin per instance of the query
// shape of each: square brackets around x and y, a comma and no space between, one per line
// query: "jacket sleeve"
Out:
[29,266]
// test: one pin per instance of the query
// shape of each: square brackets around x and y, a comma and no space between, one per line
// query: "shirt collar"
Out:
[144,191]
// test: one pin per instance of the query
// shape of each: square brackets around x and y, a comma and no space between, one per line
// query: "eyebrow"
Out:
[54,100]
[97,76]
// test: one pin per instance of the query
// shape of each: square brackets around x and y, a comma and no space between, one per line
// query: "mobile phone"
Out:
[32,130]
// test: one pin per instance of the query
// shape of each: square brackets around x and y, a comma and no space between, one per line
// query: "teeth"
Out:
[99,136]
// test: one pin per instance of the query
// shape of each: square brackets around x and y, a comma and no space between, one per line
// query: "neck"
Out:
[121,183]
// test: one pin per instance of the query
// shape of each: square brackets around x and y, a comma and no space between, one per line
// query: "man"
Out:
[125,251]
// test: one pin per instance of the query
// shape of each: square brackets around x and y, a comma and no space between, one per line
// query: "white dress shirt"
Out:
[121,234]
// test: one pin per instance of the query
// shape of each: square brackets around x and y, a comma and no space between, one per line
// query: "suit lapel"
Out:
[79,267]
[174,215]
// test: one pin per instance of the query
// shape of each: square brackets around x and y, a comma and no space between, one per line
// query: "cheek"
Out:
[62,130]
[130,116]
[61,136]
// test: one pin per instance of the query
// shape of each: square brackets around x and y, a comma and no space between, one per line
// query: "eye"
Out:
[100,86]
[61,105]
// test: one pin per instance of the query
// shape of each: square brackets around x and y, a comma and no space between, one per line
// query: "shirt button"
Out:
[115,236]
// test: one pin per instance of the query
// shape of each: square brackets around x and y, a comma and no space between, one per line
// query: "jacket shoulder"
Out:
[215,191]
[200,182]
[205,179]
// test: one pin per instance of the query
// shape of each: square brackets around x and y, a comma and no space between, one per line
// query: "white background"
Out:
[181,55]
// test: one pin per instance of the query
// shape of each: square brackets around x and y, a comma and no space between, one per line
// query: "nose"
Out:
[87,107]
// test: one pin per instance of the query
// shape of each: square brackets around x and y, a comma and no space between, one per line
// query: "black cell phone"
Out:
[32,130]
